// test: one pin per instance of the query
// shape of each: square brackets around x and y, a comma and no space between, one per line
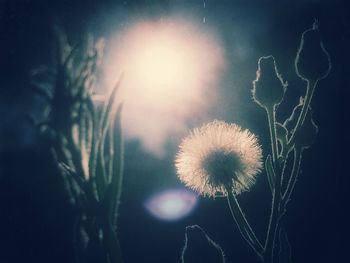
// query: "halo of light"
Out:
[171,204]
[170,69]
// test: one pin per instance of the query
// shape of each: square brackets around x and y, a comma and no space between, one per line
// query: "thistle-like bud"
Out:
[307,133]
[312,61]
[268,87]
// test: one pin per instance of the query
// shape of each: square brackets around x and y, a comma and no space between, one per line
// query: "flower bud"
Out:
[268,87]
[199,247]
[312,61]
[307,133]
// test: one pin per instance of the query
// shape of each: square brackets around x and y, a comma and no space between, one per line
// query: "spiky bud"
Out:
[312,61]
[268,87]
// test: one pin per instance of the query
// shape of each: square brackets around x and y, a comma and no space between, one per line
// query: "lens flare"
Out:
[171,204]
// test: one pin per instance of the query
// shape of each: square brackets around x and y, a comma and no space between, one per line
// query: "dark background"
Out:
[35,216]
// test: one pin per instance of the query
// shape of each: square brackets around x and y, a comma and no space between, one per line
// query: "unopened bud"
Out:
[312,61]
[268,87]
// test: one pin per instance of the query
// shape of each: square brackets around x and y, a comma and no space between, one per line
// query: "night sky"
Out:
[36,219]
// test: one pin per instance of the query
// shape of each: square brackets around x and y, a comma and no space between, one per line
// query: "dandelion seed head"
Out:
[219,157]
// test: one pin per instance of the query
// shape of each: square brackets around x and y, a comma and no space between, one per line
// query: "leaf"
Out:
[94,137]
[100,178]
[108,111]
[270,172]
[105,123]
[285,253]
[112,243]
[41,89]
[110,154]
[112,197]
[115,184]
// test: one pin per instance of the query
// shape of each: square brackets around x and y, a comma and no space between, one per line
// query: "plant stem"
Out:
[271,115]
[279,203]
[311,84]
[269,247]
[243,225]
[272,230]
[111,242]
[293,177]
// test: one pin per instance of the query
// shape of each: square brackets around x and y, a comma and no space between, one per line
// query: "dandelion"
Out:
[219,158]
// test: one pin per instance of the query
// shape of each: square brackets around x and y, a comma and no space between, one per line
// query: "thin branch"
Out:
[293,177]
[243,225]
[271,115]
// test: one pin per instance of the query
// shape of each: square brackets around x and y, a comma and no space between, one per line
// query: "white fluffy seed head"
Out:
[219,157]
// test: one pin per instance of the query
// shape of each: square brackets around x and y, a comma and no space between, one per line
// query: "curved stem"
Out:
[279,207]
[272,230]
[243,225]
[311,84]
[275,217]
[293,177]
[271,115]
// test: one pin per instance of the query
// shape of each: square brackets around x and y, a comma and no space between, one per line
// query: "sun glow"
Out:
[160,64]
[171,68]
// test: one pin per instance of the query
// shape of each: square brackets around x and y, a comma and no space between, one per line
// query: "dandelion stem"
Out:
[243,225]
[311,84]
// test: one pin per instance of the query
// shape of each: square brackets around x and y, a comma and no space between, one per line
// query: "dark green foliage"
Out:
[87,144]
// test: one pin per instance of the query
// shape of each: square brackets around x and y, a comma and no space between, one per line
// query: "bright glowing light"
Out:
[171,204]
[170,69]
[159,65]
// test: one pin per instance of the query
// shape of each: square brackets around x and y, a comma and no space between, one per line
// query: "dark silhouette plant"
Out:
[87,144]
[297,133]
